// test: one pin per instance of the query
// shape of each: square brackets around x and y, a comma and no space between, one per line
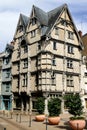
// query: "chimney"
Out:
[80,33]
[12,43]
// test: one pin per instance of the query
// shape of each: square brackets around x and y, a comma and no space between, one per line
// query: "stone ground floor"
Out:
[27,122]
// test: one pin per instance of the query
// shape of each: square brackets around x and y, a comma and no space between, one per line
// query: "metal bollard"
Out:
[46,121]
[20,117]
[11,115]
[16,117]
[29,119]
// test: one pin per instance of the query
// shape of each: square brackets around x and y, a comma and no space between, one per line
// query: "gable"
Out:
[21,26]
[65,24]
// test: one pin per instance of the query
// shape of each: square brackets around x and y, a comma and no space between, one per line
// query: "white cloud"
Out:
[8,22]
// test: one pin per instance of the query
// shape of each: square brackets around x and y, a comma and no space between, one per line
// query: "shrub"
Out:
[54,107]
[40,105]
[74,104]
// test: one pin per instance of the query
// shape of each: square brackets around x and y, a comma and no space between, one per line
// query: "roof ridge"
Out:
[61,6]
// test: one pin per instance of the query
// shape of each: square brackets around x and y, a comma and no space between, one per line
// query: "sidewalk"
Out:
[28,123]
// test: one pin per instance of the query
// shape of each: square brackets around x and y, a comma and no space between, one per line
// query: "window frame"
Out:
[33,33]
[54,45]
[53,78]
[7,87]
[25,49]
[70,49]
[56,31]
[24,81]
[70,63]
[54,61]
[70,81]
[25,63]
[70,35]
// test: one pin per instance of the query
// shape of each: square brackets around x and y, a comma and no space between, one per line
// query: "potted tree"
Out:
[75,108]
[40,105]
[54,108]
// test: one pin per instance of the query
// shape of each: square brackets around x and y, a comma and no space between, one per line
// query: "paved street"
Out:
[23,122]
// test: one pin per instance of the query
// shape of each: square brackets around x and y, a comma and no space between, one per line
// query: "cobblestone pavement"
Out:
[27,122]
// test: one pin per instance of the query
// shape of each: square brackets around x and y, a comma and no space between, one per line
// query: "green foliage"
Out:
[54,107]
[40,105]
[74,104]
[77,117]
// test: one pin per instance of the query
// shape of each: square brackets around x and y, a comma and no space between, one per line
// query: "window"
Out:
[70,49]
[33,21]
[24,80]
[25,49]
[69,64]
[18,82]
[25,63]
[33,33]
[70,81]
[53,61]
[54,46]
[37,82]
[6,61]
[53,77]
[20,39]
[56,31]
[39,46]
[7,74]
[7,87]
[70,35]
[20,28]
[18,66]
[64,23]
[18,54]
[85,74]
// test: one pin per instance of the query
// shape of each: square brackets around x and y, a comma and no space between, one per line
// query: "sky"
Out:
[11,9]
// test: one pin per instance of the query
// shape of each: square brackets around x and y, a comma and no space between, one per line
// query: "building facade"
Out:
[1,63]
[46,60]
[6,94]
[84,72]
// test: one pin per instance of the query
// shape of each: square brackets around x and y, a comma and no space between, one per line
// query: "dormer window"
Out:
[33,33]
[20,28]
[56,31]
[33,21]
[64,23]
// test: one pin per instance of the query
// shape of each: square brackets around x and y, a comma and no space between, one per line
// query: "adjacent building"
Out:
[1,62]
[6,94]
[84,72]
[46,59]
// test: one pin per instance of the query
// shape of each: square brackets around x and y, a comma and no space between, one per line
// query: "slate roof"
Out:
[25,19]
[84,39]
[41,15]
[9,46]
[47,18]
